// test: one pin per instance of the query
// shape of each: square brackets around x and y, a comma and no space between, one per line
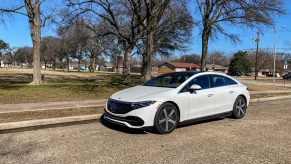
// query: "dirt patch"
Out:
[264,95]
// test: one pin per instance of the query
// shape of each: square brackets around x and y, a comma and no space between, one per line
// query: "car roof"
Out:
[191,73]
[184,73]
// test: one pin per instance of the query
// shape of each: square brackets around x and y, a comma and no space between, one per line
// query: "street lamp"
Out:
[275,48]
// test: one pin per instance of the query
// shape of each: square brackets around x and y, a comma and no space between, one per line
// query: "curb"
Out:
[28,107]
[269,99]
[42,122]
[46,109]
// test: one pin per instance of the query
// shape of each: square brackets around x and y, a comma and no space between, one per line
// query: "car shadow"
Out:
[199,122]
[128,130]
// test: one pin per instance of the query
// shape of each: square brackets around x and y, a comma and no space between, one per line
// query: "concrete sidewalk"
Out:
[8,108]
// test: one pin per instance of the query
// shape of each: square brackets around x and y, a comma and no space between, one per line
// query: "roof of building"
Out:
[216,66]
[182,65]
[108,64]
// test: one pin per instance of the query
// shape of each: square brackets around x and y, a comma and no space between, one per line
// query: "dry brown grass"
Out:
[254,87]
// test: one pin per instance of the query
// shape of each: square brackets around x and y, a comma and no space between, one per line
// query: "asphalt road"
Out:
[263,136]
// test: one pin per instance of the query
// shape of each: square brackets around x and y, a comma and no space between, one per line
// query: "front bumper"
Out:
[139,118]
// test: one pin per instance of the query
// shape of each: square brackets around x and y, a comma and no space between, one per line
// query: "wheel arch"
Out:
[172,102]
[243,96]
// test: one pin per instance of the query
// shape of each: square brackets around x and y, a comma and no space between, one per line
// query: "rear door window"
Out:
[218,81]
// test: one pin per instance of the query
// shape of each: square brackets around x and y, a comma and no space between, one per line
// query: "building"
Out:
[216,68]
[108,67]
[177,67]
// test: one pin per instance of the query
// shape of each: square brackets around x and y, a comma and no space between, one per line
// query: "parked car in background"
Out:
[287,76]
[238,74]
[171,99]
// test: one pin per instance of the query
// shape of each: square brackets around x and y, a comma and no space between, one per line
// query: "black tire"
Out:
[166,119]
[239,108]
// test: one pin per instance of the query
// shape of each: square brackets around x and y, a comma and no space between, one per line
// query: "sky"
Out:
[15,31]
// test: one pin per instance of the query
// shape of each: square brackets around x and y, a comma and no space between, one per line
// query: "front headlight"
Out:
[137,105]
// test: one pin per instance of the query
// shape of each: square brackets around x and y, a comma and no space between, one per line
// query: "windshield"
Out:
[170,80]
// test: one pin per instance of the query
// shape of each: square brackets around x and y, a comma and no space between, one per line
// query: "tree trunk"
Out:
[126,64]
[68,63]
[142,71]
[79,64]
[115,65]
[93,63]
[45,64]
[54,63]
[147,59]
[36,36]
[205,39]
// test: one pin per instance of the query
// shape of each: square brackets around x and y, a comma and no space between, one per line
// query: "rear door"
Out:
[223,93]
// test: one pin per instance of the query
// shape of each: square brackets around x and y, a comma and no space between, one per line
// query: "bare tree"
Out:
[121,18]
[168,26]
[265,59]
[215,14]
[32,10]
[191,58]
[217,57]
[50,49]
[154,10]
[24,55]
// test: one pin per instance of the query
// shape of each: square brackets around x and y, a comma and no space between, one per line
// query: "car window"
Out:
[218,81]
[170,80]
[230,81]
[202,81]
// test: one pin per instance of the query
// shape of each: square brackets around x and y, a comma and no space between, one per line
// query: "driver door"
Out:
[200,102]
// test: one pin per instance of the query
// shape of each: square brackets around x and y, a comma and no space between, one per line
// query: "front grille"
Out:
[132,120]
[118,107]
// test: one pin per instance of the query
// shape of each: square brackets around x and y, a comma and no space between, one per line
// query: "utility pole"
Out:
[257,40]
[275,49]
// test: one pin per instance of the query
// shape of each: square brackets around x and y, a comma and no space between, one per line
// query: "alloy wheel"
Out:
[168,119]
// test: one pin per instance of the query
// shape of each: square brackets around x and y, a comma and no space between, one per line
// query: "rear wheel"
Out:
[239,108]
[166,119]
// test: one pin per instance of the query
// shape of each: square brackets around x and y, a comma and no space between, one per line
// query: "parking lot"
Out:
[263,136]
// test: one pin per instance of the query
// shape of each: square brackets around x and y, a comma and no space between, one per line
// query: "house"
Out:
[216,68]
[266,73]
[108,67]
[177,67]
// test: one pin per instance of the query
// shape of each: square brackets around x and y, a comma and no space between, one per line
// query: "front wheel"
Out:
[166,119]
[239,108]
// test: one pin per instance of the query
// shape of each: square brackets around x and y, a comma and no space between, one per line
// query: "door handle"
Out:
[210,95]
[230,92]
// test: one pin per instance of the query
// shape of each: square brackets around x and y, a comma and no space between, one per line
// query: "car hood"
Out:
[142,93]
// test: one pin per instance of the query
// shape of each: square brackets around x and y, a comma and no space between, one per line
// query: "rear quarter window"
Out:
[230,81]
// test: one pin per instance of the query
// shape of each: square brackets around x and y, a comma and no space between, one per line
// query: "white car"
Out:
[169,100]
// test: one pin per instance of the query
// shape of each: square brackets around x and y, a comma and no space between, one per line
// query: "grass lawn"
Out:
[253,87]
[60,86]
[280,81]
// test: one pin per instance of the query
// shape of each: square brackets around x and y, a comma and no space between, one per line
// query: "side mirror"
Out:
[194,88]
